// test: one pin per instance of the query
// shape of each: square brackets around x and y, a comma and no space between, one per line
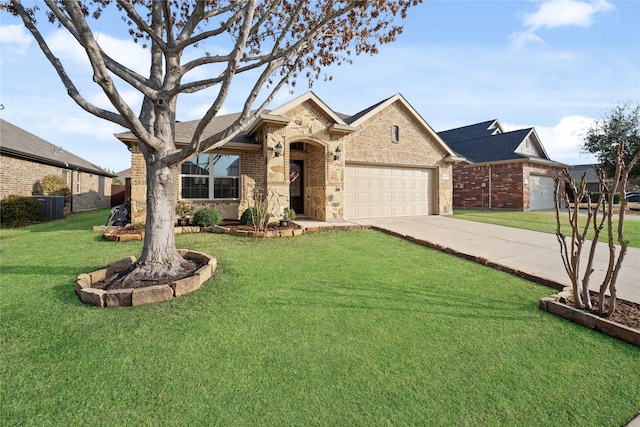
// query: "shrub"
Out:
[19,210]
[54,185]
[252,215]
[207,217]
[289,214]
[183,209]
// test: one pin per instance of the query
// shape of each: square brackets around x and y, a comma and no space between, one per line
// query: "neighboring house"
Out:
[123,175]
[26,159]
[593,183]
[502,170]
[383,161]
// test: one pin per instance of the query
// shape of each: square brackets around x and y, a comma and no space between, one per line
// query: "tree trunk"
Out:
[160,259]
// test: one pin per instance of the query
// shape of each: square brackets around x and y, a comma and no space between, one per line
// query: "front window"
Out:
[211,176]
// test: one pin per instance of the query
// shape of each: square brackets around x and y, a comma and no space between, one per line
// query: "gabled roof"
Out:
[366,114]
[185,130]
[309,96]
[18,143]
[478,130]
[577,171]
[492,148]
[486,142]
[343,123]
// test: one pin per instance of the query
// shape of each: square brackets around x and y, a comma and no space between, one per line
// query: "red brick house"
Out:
[502,170]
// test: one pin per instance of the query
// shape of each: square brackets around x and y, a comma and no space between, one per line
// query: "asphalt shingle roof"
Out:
[17,142]
[491,148]
[478,130]
[577,171]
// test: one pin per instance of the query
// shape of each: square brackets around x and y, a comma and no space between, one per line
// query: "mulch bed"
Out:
[627,313]
[117,281]
[236,225]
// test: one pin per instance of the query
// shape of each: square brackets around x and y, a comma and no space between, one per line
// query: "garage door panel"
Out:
[541,190]
[374,191]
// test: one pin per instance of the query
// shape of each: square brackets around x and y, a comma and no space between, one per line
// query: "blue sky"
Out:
[555,65]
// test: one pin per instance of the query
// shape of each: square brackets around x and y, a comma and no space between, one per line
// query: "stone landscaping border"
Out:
[150,294]
[552,304]
[110,233]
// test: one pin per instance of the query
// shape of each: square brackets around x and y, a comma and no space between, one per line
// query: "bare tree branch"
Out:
[64,77]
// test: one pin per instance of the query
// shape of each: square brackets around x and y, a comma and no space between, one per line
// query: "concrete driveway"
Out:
[534,253]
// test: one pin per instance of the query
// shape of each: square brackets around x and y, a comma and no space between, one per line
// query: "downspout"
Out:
[71,197]
[490,204]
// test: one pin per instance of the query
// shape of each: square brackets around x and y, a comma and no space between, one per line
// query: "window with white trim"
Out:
[210,176]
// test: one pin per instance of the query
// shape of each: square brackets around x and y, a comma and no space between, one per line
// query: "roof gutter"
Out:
[65,165]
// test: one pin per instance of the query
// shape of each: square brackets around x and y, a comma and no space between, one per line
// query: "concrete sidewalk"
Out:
[534,253]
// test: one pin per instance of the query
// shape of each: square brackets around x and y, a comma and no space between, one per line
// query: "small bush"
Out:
[207,217]
[183,209]
[54,185]
[289,214]
[19,210]
[252,215]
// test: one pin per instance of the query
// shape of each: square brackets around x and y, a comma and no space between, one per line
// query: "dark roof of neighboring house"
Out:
[487,142]
[577,171]
[17,142]
[124,174]
[477,130]
[492,148]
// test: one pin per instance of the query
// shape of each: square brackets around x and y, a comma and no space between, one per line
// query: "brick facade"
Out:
[374,144]
[496,186]
[20,177]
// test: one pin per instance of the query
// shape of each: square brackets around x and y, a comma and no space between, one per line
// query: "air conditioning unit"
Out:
[51,207]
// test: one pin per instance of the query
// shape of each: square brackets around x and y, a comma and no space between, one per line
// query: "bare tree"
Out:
[276,41]
[599,216]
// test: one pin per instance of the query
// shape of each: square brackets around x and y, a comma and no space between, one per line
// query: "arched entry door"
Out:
[296,186]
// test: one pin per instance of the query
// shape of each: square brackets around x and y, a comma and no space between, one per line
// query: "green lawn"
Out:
[545,222]
[335,328]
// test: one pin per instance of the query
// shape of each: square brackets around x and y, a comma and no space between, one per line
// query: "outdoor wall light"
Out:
[278,149]
[336,154]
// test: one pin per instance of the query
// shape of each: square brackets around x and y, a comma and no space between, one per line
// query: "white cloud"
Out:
[522,38]
[126,52]
[562,141]
[15,39]
[561,13]
[557,13]
[89,125]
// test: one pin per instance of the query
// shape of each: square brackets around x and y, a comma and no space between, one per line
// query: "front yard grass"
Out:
[546,222]
[333,328]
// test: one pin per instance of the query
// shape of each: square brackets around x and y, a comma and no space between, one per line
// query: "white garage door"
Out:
[541,192]
[376,191]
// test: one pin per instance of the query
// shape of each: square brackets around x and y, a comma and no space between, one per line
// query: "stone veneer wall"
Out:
[321,173]
[252,173]
[20,176]
[374,144]
[324,177]
[138,186]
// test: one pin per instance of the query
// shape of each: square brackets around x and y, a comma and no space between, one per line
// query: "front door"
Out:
[296,186]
